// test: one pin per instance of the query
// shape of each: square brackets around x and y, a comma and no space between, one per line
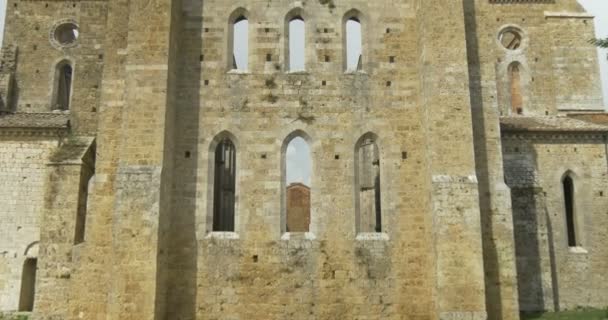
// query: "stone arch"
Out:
[516,98]
[31,251]
[237,16]
[367,186]
[293,16]
[306,216]
[222,183]
[63,82]
[569,187]
[359,17]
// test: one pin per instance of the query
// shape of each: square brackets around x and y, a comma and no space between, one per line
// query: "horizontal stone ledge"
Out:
[563,14]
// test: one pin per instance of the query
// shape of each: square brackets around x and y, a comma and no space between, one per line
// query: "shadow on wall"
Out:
[534,243]
[183,245]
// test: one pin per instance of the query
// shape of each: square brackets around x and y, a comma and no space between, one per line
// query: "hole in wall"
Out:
[298,171]
[510,38]
[297,44]
[240,43]
[66,33]
[354,45]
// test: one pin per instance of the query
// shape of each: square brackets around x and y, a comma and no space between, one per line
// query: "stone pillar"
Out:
[143,183]
[69,164]
[454,194]
[495,195]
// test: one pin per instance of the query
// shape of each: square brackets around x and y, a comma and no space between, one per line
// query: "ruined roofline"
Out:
[34,121]
[556,124]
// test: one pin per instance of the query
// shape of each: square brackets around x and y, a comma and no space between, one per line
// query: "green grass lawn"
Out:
[569,315]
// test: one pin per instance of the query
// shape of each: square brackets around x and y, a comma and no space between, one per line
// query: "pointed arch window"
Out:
[296,53]
[238,42]
[353,41]
[297,171]
[62,86]
[28,285]
[568,189]
[224,186]
[515,90]
[87,179]
[367,185]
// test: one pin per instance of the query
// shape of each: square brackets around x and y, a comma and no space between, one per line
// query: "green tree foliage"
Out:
[602,43]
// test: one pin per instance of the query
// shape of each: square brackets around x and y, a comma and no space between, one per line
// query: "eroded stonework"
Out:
[120,141]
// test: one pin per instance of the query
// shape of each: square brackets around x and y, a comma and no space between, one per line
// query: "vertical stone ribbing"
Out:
[142,180]
[456,218]
[494,195]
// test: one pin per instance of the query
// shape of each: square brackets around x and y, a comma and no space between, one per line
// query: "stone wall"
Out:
[23,172]
[429,69]
[551,274]
[30,27]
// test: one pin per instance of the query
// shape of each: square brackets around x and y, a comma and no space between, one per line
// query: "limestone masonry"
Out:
[459,155]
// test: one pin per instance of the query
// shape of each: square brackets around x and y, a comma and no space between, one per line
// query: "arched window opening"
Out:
[367,182]
[354,46]
[240,43]
[298,167]
[28,285]
[517,101]
[510,39]
[63,86]
[224,186]
[297,44]
[87,178]
[568,187]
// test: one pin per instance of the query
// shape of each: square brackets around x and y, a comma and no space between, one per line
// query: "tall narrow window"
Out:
[240,43]
[297,44]
[298,166]
[367,184]
[568,186]
[28,285]
[63,86]
[353,45]
[224,186]
[515,88]
[87,175]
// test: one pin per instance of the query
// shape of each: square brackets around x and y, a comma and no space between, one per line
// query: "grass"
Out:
[583,314]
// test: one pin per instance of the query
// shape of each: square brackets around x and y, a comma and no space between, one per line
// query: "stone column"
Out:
[142,201]
[495,195]
[454,194]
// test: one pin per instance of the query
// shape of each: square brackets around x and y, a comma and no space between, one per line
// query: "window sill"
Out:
[577,250]
[372,236]
[355,72]
[237,71]
[223,235]
[298,236]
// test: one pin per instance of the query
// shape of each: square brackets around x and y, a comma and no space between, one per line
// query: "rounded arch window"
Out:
[66,34]
[511,38]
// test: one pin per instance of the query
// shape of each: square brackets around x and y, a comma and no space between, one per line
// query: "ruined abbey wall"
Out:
[553,274]
[154,93]
[22,182]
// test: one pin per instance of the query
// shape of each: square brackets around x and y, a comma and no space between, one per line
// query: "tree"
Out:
[602,43]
